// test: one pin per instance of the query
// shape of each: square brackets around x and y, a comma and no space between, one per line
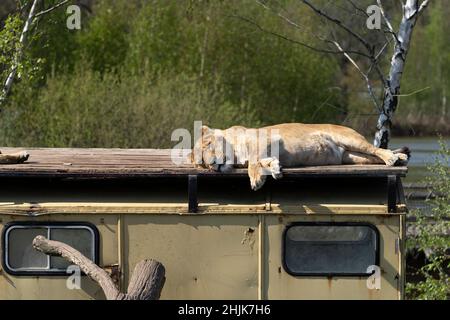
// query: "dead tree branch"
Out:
[300,43]
[146,282]
[386,20]
[56,6]
[387,104]
[340,24]
[303,28]
[364,75]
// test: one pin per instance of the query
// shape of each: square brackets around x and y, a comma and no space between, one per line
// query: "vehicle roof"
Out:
[139,163]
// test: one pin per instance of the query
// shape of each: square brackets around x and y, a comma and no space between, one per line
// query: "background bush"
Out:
[139,69]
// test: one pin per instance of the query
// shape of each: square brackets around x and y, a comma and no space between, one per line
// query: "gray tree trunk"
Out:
[146,282]
[411,10]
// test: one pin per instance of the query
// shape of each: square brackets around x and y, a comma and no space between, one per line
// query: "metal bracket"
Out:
[192,194]
[392,194]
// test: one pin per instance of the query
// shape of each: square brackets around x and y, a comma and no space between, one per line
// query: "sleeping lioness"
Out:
[13,158]
[266,150]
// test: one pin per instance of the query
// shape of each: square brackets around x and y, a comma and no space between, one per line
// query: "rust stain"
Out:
[370,294]
[114,272]
[330,282]
[249,238]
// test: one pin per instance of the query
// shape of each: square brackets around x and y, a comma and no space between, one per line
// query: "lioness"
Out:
[13,158]
[266,150]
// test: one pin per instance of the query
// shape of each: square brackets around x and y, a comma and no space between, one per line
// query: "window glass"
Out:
[81,239]
[318,249]
[19,256]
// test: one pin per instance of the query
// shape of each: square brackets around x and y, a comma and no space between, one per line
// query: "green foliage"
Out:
[199,46]
[103,42]
[52,43]
[9,43]
[433,235]
[276,80]
[113,109]
[13,53]
[428,66]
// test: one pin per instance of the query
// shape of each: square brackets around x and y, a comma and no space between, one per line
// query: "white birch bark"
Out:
[411,10]
[23,38]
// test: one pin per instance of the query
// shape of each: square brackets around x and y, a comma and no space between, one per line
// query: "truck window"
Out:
[20,258]
[330,249]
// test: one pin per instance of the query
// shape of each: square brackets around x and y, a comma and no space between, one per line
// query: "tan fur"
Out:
[299,145]
[14,158]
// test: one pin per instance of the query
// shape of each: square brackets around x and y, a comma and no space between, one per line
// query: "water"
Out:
[423,154]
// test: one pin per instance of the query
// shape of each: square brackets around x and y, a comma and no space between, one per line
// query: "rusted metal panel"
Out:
[229,248]
[215,256]
[206,257]
[281,285]
[50,287]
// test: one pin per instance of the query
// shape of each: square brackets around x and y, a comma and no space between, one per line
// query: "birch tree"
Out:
[344,38]
[33,15]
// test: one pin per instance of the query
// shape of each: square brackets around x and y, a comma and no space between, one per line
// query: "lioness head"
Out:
[207,152]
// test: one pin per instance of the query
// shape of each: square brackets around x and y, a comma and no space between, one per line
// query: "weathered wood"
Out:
[59,249]
[146,282]
[136,163]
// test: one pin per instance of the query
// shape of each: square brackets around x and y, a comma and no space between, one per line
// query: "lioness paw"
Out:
[275,169]
[257,178]
[22,156]
[399,159]
[257,182]
[402,159]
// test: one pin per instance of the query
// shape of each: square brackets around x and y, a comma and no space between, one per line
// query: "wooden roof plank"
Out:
[102,163]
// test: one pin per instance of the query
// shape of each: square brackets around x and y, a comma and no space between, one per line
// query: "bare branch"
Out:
[377,56]
[423,5]
[340,24]
[381,75]
[56,6]
[358,8]
[303,28]
[303,44]
[386,20]
[366,78]
[411,93]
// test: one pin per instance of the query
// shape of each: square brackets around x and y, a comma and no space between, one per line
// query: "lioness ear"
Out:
[205,130]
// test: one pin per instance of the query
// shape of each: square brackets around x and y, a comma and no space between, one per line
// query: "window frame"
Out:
[330,224]
[49,225]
